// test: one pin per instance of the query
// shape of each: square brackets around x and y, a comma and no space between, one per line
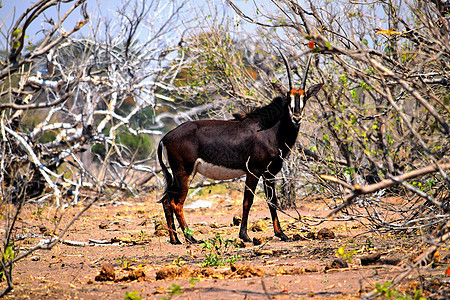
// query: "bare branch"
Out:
[362,190]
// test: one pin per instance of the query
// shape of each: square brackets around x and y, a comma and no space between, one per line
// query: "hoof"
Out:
[175,242]
[283,237]
[245,238]
[191,240]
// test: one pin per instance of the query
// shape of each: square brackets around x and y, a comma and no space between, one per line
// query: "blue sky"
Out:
[104,6]
[12,9]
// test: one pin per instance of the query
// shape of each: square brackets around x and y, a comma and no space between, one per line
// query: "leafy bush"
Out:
[216,249]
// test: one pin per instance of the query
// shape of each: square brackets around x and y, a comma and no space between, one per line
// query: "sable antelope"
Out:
[253,144]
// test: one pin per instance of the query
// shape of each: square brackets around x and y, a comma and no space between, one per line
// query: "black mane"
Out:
[268,115]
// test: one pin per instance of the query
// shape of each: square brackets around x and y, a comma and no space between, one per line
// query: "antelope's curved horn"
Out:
[288,68]
[305,75]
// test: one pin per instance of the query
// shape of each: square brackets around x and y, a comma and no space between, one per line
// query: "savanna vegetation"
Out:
[84,103]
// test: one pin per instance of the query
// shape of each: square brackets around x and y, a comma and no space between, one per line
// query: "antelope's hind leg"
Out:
[168,212]
[178,203]
[272,201]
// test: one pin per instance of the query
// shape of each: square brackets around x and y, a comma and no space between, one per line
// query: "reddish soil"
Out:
[136,255]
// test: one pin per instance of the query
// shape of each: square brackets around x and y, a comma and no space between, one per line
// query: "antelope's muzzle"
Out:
[296,119]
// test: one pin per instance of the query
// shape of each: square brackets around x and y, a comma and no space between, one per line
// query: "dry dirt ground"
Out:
[124,237]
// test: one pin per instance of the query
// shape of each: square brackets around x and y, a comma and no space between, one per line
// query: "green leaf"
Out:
[9,253]
[16,32]
[175,289]
[132,296]
[189,232]
[193,281]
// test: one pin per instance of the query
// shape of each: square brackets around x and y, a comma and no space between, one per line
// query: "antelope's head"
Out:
[296,105]
[297,98]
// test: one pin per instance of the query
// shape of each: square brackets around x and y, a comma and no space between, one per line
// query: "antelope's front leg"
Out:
[269,189]
[250,185]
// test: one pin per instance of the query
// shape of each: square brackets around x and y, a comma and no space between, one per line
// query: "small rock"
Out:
[370,259]
[203,230]
[264,252]
[337,264]
[259,225]
[103,225]
[36,258]
[391,260]
[294,271]
[325,234]
[311,235]
[239,243]
[44,230]
[311,269]
[107,273]
[259,241]
[166,273]
[137,274]
[171,273]
[246,271]
[297,237]
[237,220]
[160,229]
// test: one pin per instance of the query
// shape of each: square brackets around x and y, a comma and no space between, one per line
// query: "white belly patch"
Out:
[216,172]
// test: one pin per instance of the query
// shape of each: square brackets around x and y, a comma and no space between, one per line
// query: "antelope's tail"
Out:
[167,175]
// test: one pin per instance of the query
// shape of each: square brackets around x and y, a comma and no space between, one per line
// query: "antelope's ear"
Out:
[313,90]
[279,89]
